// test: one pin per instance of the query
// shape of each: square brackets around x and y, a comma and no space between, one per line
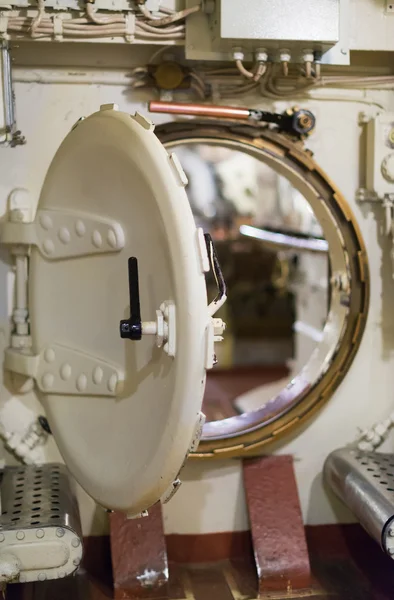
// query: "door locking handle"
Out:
[132,328]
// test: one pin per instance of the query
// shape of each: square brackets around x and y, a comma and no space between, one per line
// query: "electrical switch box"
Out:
[380,155]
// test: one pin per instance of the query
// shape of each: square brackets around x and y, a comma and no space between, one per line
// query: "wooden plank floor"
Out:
[224,581]
[346,564]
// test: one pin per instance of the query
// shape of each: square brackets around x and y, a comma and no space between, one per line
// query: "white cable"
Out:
[156,54]
[38,18]
[200,92]
[79,28]
[166,10]
[198,79]
[238,58]
[162,36]
[102,20]
[171,18]
[261,69]
[159,31]
[240,90]
[371,439]
[261,57]
[25,447]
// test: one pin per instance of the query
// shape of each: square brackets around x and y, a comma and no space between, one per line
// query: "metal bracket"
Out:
[197,433]
[364,195]
[202,251]
[61,370]
[65,234]
[340,281]
[171,491]
[213,333]
[176,484]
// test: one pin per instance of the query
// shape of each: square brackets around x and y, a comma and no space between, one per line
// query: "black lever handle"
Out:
[132,328]
[215,267]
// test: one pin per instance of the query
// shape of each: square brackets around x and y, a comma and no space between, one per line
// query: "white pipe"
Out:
[20,312]
[285,240]
[21,281]
[311,332]
[76,75]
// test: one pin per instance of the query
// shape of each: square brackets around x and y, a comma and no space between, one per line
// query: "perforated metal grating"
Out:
[379,468]
[37,497]
[365,482]
[39,522]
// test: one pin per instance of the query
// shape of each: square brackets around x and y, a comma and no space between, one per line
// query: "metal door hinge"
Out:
[62,370]
[58,235]
[62,234]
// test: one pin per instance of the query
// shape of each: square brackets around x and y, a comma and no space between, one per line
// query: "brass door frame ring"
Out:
[245,435]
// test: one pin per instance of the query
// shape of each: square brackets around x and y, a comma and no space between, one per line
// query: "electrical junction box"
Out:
[277,22]
[319,26]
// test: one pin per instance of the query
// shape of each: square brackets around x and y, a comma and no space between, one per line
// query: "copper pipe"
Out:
[199,110]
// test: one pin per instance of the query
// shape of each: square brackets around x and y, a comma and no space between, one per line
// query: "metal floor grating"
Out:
[365,483]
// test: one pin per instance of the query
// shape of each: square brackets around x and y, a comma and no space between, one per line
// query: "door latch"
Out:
[164,328]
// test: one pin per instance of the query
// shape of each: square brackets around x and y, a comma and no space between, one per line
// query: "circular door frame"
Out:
[245,435]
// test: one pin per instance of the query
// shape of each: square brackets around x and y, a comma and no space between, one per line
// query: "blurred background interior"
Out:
[277,296]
